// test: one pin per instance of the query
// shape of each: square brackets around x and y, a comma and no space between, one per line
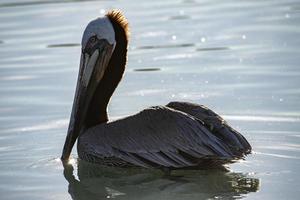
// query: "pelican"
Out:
[179,135]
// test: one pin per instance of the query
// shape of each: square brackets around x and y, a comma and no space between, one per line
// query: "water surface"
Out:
[240,58]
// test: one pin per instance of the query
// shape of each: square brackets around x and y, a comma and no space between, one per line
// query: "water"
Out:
[240,58]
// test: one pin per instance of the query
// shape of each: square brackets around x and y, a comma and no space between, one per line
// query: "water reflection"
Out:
[99,182]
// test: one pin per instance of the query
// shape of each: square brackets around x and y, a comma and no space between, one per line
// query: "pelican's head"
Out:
[98,45]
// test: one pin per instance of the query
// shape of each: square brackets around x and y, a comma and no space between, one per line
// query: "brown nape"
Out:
[97,112]
[118,19]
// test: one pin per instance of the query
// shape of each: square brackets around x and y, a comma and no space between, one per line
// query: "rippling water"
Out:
[240,58]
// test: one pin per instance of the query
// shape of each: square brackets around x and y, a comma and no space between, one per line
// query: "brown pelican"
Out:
[179,135]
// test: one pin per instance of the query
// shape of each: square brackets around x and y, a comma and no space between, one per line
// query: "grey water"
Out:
[239,58]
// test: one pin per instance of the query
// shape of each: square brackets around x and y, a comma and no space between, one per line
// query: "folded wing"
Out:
[156,137]
[217,125]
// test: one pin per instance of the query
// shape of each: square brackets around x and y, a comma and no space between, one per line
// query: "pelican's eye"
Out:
[93,39]
[91,45]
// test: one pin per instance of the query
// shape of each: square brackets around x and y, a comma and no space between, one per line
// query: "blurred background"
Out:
[239,58]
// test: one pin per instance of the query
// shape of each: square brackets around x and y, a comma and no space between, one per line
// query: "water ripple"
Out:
[31,3]
[63,45]
[213,49]
[166,46]
[179,17]
[279,155]
[262,118]
[50,125]
[147,69]
[45,162]
[18,78]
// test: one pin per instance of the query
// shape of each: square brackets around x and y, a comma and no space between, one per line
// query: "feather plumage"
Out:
[157,137]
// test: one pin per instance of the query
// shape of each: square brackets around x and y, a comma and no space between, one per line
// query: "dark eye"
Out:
[93,39]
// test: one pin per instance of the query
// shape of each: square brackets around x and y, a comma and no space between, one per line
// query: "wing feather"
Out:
[216,124]
[156,137]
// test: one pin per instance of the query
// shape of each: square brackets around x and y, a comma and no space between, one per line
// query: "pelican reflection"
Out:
[100,182]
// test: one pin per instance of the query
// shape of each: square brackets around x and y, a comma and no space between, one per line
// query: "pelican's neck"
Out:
[97,112]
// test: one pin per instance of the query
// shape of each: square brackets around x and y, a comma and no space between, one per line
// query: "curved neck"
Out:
[97,112]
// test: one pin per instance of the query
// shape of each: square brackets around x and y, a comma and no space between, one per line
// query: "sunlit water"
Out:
[240,58]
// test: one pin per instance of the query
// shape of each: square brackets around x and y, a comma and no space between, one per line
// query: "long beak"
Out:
[92,68]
